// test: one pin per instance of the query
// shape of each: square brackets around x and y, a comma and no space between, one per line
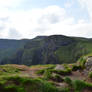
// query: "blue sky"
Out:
[29,18]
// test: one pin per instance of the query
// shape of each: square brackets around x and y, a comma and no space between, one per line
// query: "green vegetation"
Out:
[65,90]
[76,67]
[80,85]
[46,79]
[62,72]
[48,67]
[38,77]
[68,81]
[90,75]
[8,70]
[20,84]
[47,74]
[55,49]
[82,62]
[57,78]
[8,48]
[48,71]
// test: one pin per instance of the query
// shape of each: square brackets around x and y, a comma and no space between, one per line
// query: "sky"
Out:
[21,19]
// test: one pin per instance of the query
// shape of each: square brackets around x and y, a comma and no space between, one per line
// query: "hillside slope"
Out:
[10,47]
[52,50]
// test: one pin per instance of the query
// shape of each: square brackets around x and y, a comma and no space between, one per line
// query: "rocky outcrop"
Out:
[88,65]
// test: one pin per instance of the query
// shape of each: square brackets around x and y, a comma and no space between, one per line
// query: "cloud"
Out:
[36,21]
[42,21]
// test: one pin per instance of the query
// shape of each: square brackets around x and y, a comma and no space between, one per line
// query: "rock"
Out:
[88,65]
[89,61]
[59,67]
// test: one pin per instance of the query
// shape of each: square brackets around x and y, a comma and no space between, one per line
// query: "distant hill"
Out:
[52,49]
[10,47]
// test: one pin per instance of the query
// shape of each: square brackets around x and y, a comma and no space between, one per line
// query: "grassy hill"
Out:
[52,50]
